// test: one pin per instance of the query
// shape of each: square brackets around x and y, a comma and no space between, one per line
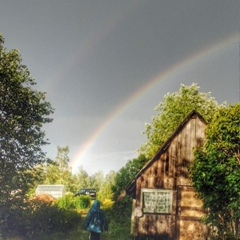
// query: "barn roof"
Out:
[131,188]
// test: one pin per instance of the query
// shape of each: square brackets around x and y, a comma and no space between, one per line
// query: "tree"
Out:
[216,173]
[59,172]
[171,113]
[82,179]
[23,112]
[105,191]
[122,207]
[124,177]
[62,158]
[97,180]
[62,161]
[127,173]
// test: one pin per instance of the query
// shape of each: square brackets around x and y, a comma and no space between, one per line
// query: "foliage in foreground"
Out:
[216,173]
[120,219]
[40,218]
[23,112]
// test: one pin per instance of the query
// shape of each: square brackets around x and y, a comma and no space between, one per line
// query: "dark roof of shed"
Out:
[130,189]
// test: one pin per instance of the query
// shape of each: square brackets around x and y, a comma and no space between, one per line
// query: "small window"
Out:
[156,201]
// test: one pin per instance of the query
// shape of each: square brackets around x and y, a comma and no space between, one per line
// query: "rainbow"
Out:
[176,69]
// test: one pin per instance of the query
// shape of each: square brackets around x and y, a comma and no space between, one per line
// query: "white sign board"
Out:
[156,201]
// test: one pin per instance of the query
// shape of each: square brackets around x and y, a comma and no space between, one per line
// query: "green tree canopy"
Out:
[59,171]
[127,173]
[62,158]
[216,172]
[82,179]
[171,113]
[23,112]
[97,180]
[106,190]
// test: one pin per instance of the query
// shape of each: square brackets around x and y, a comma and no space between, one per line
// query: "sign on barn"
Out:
[156,201]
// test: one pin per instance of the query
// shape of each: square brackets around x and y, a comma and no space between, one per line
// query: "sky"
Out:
[106,64]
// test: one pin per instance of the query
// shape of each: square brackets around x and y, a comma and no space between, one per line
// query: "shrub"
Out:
[41,218]
[67,202]
[82,202]
[71,202]
[120,219]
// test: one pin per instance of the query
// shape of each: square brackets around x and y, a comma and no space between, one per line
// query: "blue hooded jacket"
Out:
[96,220]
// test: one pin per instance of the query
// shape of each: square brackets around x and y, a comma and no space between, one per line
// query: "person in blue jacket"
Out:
[96,221]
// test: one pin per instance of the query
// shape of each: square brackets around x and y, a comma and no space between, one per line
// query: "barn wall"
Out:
[170,171]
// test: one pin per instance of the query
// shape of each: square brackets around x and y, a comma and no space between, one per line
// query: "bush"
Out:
[71,202]
[82,202]
[120,219]
[41,218]
[67,202]
[120,230]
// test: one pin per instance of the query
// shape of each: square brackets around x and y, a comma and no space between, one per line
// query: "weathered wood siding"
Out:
[189,213]
[170,171]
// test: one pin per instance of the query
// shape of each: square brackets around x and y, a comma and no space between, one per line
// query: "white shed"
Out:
[57,191]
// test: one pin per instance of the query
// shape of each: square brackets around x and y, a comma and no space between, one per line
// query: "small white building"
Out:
[57,191]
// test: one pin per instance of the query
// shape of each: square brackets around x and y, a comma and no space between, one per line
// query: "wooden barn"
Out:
[165,205]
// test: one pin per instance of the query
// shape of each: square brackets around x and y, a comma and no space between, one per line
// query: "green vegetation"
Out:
[120,214]
[216,173]
[23,112]
[172,111]
[69,202]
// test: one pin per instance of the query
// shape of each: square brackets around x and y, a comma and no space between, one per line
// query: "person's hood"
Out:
[96,205]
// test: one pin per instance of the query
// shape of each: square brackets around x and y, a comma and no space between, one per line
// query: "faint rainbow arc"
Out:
[175,69]
[87,47]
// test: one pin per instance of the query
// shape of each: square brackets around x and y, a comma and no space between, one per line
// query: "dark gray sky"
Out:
[106,64]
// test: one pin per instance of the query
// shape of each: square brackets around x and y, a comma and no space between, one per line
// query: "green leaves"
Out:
[172,112]
[23,112]
[216,172]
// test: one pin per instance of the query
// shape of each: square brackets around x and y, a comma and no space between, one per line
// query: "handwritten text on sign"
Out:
[156,201]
